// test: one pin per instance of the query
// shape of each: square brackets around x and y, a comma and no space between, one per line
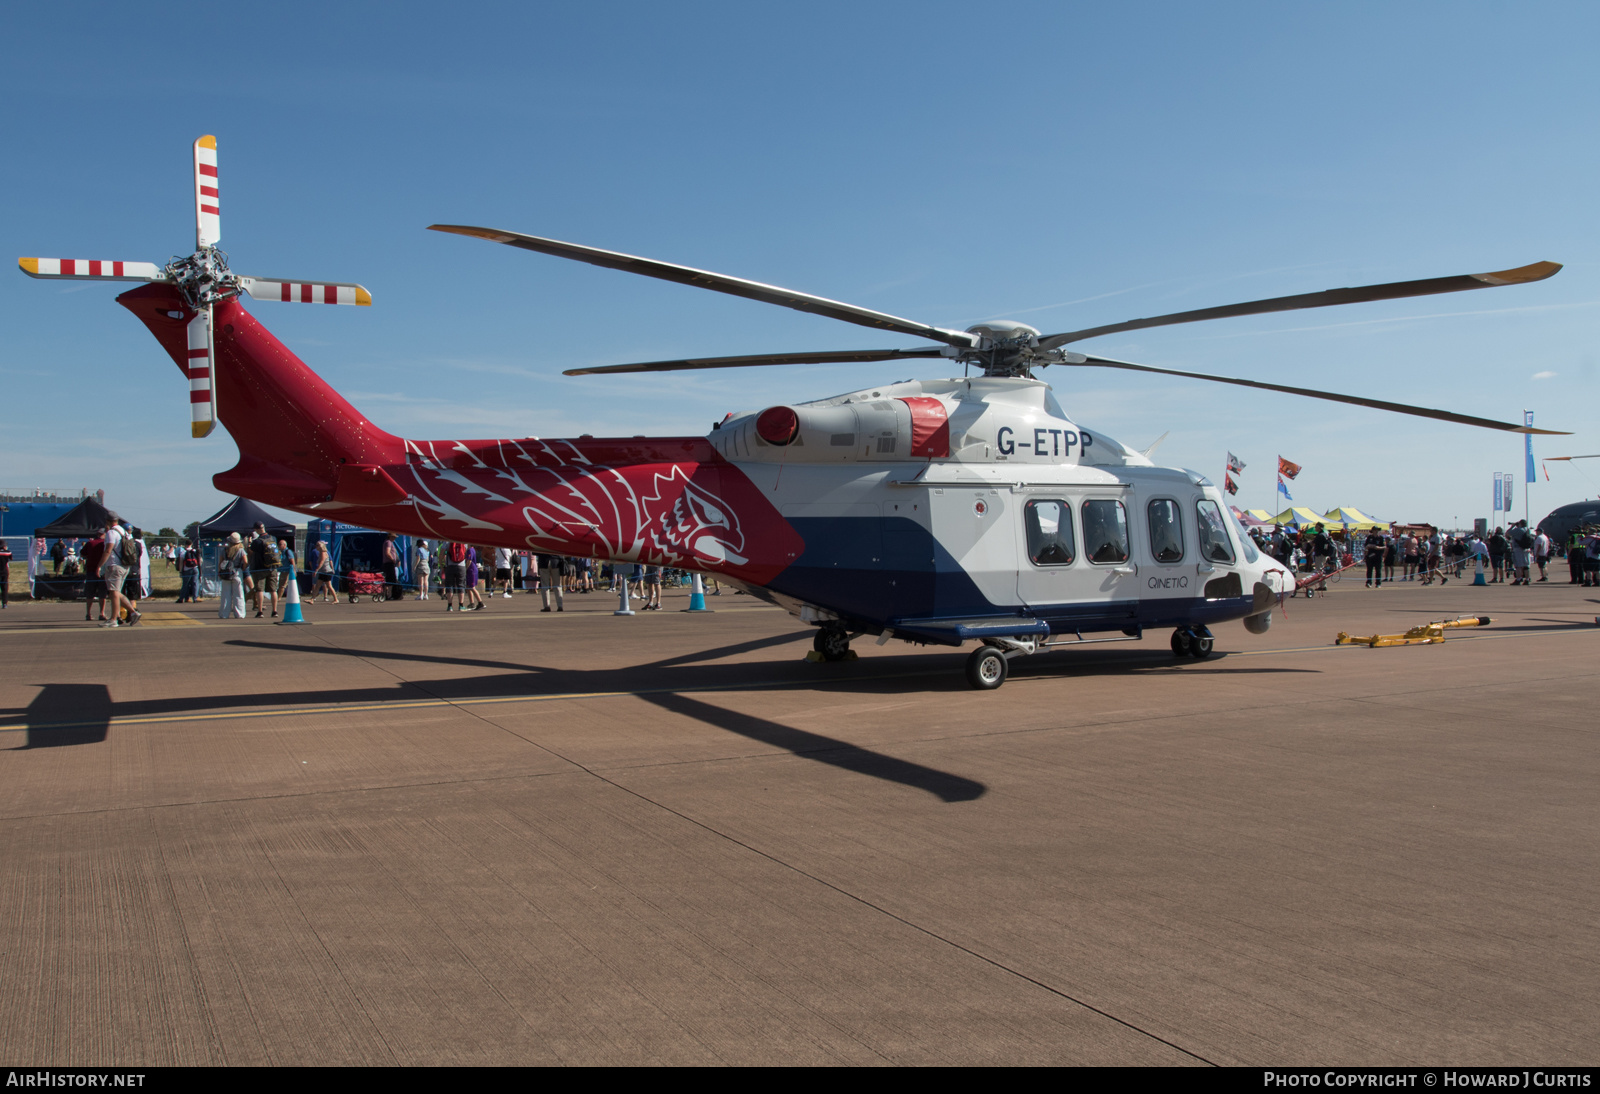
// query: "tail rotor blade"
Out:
[305,292]
[89,269]
[207,211]
[202,382]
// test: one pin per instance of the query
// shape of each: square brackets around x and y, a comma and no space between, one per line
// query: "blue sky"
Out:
[1063,164]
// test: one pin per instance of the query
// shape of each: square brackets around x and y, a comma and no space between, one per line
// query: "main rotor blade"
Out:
[1393,291]
[1354,400]
[207,205]
[705,279]
[823,357]
[1596,456]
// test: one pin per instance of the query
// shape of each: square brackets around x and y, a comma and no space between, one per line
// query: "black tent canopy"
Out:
[241,515]
[83,522]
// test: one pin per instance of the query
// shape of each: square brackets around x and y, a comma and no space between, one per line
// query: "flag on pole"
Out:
[1284,490]
[1235,464]
[1229,485]
[1527,419]
[1287,468]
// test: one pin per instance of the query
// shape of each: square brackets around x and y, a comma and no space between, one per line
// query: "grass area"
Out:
[164,581]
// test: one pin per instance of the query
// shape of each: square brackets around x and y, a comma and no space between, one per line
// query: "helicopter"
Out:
[936,512]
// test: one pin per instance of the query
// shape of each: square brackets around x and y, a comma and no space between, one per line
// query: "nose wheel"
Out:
[1193,642]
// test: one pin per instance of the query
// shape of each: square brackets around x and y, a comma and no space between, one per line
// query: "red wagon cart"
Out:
[359,583]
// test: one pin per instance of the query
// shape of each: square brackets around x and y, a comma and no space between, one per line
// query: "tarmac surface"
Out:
[406,836]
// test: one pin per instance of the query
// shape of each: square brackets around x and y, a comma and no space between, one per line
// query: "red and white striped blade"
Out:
[305,292]
[202,367]
[91,269]
[207,211]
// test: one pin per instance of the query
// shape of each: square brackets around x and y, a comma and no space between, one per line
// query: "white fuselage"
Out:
[976,498]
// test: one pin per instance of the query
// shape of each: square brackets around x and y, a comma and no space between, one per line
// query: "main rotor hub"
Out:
[203,278]
[1004,348]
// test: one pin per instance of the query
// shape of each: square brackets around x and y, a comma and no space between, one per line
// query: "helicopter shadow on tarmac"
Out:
[67,714]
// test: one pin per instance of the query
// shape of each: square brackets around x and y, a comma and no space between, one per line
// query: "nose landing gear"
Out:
[1193,642]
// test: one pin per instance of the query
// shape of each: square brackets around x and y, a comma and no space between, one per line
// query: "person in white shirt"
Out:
[115,571]
[502,571]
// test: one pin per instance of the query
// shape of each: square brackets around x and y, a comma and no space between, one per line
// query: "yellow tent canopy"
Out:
[1260,514]
[1354,519]
[1298,514]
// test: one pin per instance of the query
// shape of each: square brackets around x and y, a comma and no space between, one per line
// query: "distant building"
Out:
[30,509]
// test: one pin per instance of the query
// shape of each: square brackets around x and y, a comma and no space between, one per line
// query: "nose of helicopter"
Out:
[1269,582]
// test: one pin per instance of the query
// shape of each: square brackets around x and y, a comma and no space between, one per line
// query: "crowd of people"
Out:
[464,574]
[253,572]
[1425,555]
[114,565]
[259,569]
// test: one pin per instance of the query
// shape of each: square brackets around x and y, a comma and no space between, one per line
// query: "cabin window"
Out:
[1105,531]
[1214,545]
[1050,541]
[1166,531]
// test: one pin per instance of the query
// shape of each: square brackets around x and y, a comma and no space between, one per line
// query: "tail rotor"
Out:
[204,282]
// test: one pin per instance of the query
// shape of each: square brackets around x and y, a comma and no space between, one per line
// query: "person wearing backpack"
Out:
[263,569]
[134,588]
[455,576]
[120,557]
[1521,543]
[189,570]
[1322,557]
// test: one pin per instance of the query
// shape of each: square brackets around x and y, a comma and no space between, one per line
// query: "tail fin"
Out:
[297,437]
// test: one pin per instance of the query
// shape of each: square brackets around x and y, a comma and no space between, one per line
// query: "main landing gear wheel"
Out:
[987,668]
[832,642]
[1190,643]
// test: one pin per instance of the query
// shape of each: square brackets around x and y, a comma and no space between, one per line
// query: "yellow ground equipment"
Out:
[1427,634]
